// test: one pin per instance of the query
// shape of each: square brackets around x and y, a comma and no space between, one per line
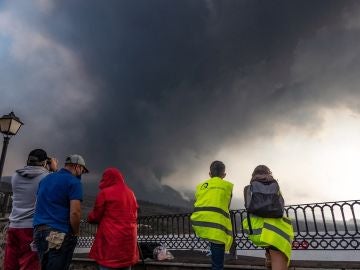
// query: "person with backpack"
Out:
[265,223]
[211,217]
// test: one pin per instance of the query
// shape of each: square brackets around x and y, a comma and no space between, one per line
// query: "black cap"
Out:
[37,155]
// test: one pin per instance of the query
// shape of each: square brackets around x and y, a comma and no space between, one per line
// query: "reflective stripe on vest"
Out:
[211,217]
[212,225]
[277,232]
[212,209]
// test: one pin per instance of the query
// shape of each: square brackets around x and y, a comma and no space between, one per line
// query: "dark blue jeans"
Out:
[54,259]
[217,256]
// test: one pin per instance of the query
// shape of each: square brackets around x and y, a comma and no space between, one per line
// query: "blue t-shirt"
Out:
[53,200]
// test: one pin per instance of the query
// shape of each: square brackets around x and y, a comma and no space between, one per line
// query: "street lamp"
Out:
[9,126]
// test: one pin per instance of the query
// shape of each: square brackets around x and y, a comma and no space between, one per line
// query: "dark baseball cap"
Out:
[37,155]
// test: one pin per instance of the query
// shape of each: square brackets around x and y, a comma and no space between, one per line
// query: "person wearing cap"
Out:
[211,217]
[57,214]
[24,183]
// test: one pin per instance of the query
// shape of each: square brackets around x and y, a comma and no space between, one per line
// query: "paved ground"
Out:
[197,257]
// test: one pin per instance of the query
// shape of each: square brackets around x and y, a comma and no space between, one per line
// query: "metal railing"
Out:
[5,203]
[326,226]
[321,226]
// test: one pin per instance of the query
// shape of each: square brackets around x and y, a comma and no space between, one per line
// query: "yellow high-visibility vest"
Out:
[211,217]
[276,232]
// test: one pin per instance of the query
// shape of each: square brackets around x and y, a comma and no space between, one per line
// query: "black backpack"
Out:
[264,199]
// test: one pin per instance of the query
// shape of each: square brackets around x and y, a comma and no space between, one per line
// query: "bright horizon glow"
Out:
[315,166]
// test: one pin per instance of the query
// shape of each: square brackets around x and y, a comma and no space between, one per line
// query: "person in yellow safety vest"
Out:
[211,217]
[275,234]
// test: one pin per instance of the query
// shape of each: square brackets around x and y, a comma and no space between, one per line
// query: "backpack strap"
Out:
[249,223]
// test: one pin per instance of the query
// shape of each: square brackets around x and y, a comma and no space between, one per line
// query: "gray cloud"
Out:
[148,86]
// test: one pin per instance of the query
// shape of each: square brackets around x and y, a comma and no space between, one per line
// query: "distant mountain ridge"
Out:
[162,195]
[149,205]
[146,208]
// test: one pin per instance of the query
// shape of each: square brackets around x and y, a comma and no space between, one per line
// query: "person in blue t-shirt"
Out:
[57,214]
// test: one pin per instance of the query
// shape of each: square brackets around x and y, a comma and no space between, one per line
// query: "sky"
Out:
[160,89]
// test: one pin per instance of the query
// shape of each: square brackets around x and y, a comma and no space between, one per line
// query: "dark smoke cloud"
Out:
[177,79]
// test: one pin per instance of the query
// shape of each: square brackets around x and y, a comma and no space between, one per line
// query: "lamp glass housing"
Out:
[10,124]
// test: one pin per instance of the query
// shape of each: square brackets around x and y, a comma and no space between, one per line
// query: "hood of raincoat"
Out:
[111,176]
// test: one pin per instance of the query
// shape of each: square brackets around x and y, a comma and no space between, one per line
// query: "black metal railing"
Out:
[5,203]
[87,234]
[324,226]
[327,226]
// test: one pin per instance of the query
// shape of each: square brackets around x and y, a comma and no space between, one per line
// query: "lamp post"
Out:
[9,126]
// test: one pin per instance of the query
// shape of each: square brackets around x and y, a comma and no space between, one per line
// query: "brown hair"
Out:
[261,169]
